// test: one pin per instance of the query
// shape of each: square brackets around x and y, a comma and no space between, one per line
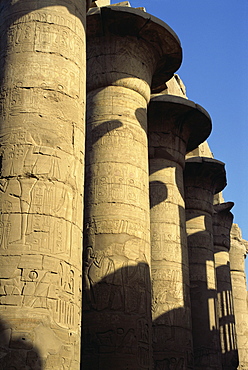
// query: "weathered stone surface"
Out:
[222,223]
[122,58]
[238,251]
[99,3]
[174,125]
[202,150]
[175,86]
[42,93]
[203,178]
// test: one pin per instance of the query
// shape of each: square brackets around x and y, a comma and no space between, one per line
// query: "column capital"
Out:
[138,33]
[169,114]
[203,177]
[222,223]
[200,169]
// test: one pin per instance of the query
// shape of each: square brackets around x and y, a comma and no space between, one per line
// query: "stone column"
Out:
[238,251]
[203,178]
[222,222]
[125,48]
[42,80]
[175,125]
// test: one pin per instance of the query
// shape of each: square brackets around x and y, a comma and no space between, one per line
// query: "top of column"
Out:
[203,168]
[222,223]
[127,21]
[182,112]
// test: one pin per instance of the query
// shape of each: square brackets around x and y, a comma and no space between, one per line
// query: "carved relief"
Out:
[57,290]
[21,37]
[54,39]
[117,183]
[126,226]
[63,79]
[172,363]
[73,23]
[41,185]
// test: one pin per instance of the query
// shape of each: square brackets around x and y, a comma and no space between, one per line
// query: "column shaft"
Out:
[238,253]
[222,222]
[117,254]
[42,153]
[172,337]
[203,177]
[174,127]
[117,304]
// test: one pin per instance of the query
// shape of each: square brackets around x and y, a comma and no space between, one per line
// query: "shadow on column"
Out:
[222,223]
[206,296]
[172,337]
[203,296]
[161,192]
[18,7]
[122,338]
[227,322]
[16,352]
[122,335]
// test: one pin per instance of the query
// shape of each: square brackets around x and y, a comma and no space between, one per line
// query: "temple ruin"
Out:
[117,249]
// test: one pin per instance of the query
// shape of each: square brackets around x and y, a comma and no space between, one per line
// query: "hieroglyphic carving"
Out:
[206,357]
[64,80]
[52,39]
[24,153]
[166,245]
[120,183]
[172,363]
[39,213]
[56,290]
[123,339]
[52,16]
[41,186]
[45,36]
[117,199]
[20,38]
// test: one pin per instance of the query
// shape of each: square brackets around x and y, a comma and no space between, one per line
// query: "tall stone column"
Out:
[175,125]
[238,251]
[222,223]
[126,48]
[42,87]
[203,178]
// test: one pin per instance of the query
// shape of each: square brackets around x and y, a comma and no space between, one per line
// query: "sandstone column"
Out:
[203,178]
[127,49]
[222,222]
[238,251]
[175,125]
[42,65]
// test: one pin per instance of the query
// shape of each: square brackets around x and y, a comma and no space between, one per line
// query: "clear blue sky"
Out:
[214,38]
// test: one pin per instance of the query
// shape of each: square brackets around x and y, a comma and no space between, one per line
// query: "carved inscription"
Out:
[119,226]
[111,283]
[53,39]
[55,77]
[46,37]
[56,290]
[120,186]
[21,38]
[73,23]
[41,186]
[172,363]
[206,357]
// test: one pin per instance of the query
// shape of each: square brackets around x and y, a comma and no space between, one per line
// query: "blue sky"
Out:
[214,38]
